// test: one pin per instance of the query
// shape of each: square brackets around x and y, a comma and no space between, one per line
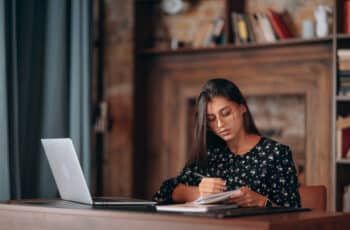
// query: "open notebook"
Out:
[218,197]
[203,204]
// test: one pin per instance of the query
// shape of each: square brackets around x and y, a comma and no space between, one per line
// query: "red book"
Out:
[346,18]
[345,142]
[279,25]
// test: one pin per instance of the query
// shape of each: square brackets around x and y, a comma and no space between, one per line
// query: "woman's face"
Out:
[225,117]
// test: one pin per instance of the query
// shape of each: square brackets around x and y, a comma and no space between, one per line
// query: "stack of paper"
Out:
[203,204]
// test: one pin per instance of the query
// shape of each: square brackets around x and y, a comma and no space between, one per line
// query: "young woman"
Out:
[229,151]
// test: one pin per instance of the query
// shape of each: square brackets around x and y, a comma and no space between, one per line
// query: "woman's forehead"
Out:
[218,103]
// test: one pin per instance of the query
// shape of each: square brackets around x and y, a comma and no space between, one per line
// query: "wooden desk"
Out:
[28,217]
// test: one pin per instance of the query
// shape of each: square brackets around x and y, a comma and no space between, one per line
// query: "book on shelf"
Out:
[259,27]
[266,27]
[217,32]
[346,16]
[346,198]
[203,35]
[203,204]
[343,137]
[343,82]
[344,65]
[209,33]
[251,35]
[258,34]
[239,28]
[343,53]
[278,24]
[343,59]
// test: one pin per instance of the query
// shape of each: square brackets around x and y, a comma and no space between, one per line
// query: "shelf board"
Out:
[343,98]
[343,36]
[287,42]
[343,161]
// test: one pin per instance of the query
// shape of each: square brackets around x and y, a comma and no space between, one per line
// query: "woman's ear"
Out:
[242,108]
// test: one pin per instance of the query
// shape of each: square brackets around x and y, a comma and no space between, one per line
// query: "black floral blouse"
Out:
[267,169]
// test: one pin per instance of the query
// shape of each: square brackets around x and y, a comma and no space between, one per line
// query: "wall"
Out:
[118,75]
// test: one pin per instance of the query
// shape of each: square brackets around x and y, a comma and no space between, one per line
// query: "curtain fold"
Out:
[4,148]
[79,125]
[55,116]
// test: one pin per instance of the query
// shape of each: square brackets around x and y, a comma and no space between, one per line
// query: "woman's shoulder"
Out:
[273,147]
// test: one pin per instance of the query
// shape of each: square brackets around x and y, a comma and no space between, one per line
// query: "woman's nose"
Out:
[219,123]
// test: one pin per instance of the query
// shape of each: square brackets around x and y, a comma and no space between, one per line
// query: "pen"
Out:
[196,174]
[199,175]
[202,176]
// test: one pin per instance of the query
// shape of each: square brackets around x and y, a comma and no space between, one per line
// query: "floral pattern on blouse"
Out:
[267,169]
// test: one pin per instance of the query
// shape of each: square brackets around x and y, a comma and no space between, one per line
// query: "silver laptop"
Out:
[69,177]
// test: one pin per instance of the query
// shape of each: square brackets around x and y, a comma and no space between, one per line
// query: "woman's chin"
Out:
[226,137]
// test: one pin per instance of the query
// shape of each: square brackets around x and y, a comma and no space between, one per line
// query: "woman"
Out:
[229,151]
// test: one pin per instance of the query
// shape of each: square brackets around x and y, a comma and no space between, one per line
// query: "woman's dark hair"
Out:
[204,137]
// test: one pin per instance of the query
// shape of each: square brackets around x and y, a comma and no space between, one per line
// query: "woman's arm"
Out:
[207,186]
[184,193]
[284,180]
[166,194]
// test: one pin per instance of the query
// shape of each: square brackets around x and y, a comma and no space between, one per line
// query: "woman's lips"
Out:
[224,132]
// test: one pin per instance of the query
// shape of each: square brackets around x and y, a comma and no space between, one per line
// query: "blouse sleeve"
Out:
[187,177]
[284,180]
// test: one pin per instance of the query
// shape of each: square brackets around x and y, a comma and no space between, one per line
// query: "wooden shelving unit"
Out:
[347,161]
[341,107]
[343,98]
[343,36]
[231,47]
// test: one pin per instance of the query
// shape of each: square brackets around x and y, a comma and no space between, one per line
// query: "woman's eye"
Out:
[226,113]
[211,119]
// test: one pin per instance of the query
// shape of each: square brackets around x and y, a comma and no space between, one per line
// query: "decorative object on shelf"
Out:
[346,199]
[174,44]
[174,7]
[322,15]
[308,29]
[343,137]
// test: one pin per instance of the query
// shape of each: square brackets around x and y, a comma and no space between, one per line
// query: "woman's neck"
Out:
[243,143]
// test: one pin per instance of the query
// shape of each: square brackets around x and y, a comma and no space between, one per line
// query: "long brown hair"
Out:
[204,137]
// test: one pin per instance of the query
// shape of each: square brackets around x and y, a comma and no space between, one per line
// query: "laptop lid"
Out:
[69,177]
[66,170]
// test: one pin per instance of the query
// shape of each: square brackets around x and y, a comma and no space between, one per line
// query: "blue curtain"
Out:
[4,150]
[48,95]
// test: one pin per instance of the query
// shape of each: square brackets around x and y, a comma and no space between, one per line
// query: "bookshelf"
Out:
[341,103]
[228,47]
[148,56]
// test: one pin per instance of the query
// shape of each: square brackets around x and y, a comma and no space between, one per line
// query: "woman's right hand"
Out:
[210,185]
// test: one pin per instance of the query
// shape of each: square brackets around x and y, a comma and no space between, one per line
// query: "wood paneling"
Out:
[119,77]
[175,78]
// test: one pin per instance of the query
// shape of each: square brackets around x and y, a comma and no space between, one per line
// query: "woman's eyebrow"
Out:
[224,108]
[220,110]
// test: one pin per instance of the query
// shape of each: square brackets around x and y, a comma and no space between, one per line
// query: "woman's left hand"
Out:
[248,198]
